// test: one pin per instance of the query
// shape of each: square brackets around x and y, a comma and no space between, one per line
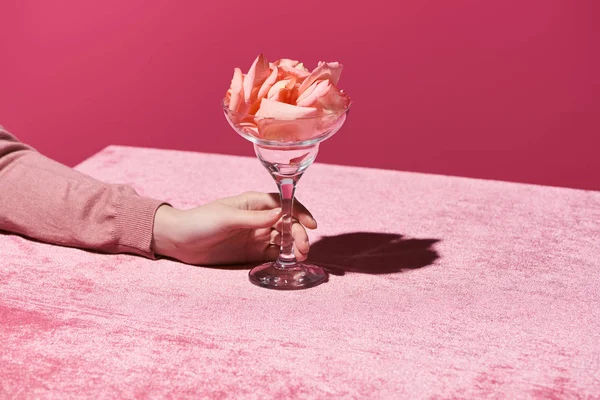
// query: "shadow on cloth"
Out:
[372,253]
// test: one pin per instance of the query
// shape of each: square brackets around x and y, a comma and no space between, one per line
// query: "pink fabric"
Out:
[45,200]
[441,287]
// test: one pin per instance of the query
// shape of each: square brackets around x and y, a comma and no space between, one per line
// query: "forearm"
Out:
[45,200]
[165,226]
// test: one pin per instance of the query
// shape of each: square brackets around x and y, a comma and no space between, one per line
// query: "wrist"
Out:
[163,242]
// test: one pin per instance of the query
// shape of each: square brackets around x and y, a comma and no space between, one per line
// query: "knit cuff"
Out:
[134,224]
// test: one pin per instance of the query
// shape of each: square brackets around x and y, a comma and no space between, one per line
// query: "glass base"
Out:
[293,277]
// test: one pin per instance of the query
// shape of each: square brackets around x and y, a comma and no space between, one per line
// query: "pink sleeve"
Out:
[45,200]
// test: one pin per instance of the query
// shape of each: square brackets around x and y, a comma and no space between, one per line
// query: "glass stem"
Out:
[287,187]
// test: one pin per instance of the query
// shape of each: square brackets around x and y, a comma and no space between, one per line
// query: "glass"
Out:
[286,147]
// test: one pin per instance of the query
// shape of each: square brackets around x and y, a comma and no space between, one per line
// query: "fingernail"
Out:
[276,211]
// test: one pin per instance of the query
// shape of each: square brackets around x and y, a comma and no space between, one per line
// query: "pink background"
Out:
[492,89]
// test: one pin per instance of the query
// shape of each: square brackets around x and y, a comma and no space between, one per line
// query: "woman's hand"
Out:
[233,230]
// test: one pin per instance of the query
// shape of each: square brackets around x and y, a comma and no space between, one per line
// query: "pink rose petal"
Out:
[257,74]
[236,91]
[333,102]
[286,62]
[282,91]
[276,88]
[331,71]
[266,86]
[299,73]
[288,131]
[306,93]
[275,109]
[313,93]
[299,159]
[292,68]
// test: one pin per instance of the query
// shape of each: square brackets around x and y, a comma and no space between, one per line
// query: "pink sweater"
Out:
[50,202]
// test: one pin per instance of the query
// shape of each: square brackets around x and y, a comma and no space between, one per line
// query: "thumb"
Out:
[254,219]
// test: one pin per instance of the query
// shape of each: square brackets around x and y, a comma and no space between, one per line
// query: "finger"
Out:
[301,242]
[275,237]
[304,216]
[254,201]
[279,224]
[265,201]
[251,219]
[271,252]
[299,255]
[300,236]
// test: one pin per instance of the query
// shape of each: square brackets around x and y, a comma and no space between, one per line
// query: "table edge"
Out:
[353,167]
